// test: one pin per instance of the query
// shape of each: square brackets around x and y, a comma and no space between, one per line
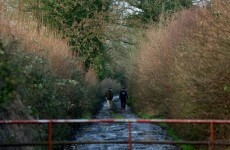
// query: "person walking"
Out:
[109,97]
[123,96]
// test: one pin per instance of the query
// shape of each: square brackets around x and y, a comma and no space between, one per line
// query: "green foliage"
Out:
[187,147]
[81,22]
[144,115]
[169,130]
[152,9]
[226,88]
[175,136]
[10,77]
[117,116]
[45,94]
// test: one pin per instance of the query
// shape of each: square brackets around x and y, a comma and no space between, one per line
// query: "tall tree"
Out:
[82,22]
[152,9]
[97,28]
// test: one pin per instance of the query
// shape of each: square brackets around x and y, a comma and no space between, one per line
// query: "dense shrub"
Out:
[183,68]
[38,70]
[46,95]
[9,77]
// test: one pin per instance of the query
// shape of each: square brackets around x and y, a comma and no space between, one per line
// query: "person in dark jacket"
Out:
[109,97]
[123,96]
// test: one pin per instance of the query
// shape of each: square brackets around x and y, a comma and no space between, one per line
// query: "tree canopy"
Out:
[152,9]
[93,26]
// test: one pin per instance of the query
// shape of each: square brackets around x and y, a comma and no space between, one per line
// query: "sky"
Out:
[130,9]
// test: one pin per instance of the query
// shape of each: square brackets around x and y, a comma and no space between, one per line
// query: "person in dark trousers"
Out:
[109,97]
[123,96]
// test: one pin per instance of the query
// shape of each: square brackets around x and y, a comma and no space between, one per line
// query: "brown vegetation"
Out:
[39,78]
[183,68]
[23,28]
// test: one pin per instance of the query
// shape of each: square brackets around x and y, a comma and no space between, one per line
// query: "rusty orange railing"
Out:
[50,123]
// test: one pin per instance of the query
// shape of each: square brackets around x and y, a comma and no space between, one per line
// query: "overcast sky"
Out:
[130,9]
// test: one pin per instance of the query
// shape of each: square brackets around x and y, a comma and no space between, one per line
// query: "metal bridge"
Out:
[50,143]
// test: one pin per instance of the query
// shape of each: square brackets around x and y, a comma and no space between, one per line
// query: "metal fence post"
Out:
[130,136]
[50,135]
[212,136]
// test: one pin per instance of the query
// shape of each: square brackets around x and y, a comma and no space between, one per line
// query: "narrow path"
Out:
[119,132]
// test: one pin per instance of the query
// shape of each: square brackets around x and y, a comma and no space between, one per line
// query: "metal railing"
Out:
[129,141]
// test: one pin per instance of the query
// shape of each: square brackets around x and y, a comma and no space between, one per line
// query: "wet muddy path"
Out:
[119,131]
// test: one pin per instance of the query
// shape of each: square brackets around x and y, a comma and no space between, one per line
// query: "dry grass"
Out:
[183,68]
[187,53]
[62,91]
[91,77]
[202,65]
[48,43]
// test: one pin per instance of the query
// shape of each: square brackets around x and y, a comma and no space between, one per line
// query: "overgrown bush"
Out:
[38,68]
[183,68]
[9,77]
